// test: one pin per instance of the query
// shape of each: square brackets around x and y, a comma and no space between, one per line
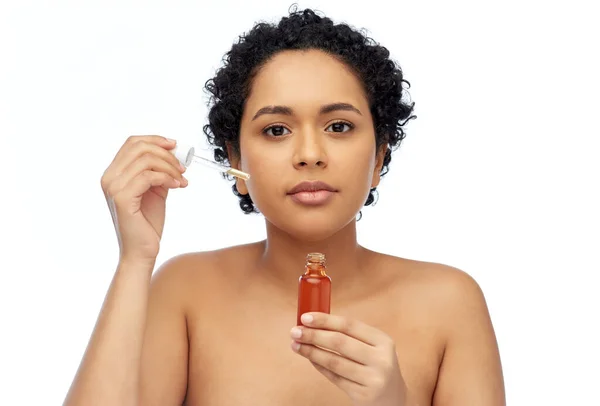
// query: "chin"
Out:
[313,226]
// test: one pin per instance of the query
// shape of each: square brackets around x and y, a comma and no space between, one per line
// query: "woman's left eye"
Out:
[339,127]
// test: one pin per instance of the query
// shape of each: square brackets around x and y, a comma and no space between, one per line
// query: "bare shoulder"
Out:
[195,273]
[179,286]
[442,294]
[440,285]
[457,294]
[451,284]
[451,300]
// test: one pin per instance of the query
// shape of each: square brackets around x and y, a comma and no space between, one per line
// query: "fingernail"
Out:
[295,346]
[184,181]
[181,167]
[172,141]
[296,332]
[306,318]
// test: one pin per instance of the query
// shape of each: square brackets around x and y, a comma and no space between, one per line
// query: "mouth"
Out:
[312,193]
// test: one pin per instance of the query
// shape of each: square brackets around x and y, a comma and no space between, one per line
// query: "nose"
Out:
[309,151]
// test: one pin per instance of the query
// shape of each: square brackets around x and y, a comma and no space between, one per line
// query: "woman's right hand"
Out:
[136,185]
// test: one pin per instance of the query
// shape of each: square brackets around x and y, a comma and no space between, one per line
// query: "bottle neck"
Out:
[315,269]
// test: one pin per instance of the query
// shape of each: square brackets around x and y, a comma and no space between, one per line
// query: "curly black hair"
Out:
[382,79]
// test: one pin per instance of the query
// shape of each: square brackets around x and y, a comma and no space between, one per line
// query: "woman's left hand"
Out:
[360,359]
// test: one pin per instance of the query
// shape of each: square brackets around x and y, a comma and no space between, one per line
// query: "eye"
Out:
[338,127]
[275,131]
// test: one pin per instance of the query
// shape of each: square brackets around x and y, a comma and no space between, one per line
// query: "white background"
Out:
[498,175]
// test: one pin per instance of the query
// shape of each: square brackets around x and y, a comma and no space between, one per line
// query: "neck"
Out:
[284,257]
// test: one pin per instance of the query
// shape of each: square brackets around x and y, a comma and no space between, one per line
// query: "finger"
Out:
[343,383]
[352,328]
[158,140]
[143,182]
[333,362]
[136,152]
[136,146]
[346,346]
[146,162]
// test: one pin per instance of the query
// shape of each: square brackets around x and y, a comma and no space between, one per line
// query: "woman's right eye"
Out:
[275,131]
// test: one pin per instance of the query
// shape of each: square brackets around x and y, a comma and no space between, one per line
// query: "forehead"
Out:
[305,78]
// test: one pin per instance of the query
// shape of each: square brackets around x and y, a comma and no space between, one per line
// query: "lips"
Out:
[311,187]
[312,193]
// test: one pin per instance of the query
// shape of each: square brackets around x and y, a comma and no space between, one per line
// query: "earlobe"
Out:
[376,178]
[240,185]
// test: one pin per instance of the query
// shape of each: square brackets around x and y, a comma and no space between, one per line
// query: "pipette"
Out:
[187,154]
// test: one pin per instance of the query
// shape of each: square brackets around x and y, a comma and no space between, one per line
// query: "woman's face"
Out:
[307,119]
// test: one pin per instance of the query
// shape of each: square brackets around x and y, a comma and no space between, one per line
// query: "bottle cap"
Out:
[184,154]
[316,257]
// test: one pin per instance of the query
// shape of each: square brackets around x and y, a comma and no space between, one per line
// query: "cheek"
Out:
[264,162]
[358,164]
[259,157]
[265,168]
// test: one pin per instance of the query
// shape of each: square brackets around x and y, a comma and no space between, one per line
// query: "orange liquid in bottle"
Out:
[314,287]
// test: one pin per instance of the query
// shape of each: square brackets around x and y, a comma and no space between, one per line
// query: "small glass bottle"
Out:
[314,287]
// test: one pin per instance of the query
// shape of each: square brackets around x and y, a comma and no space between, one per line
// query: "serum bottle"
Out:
[314,287]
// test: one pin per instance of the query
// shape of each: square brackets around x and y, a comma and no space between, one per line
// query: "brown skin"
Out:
[238,324]
[218,324]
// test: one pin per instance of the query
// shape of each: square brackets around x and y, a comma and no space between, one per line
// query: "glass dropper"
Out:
[187,154]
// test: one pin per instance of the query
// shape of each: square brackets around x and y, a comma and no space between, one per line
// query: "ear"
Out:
[378,165]
[235,162]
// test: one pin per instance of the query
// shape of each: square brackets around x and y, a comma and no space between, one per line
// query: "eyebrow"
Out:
[288,111]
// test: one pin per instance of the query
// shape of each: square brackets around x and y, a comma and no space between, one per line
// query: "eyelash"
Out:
[350,125]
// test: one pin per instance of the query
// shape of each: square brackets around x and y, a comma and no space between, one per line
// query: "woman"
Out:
[312,111]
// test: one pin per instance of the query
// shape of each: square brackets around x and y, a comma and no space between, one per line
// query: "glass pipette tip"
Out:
[186,155]
[222,168]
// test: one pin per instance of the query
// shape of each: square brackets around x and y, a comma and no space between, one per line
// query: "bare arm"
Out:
[135,185]
[138,351]
[471,371]
[164,361]
[109,370]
